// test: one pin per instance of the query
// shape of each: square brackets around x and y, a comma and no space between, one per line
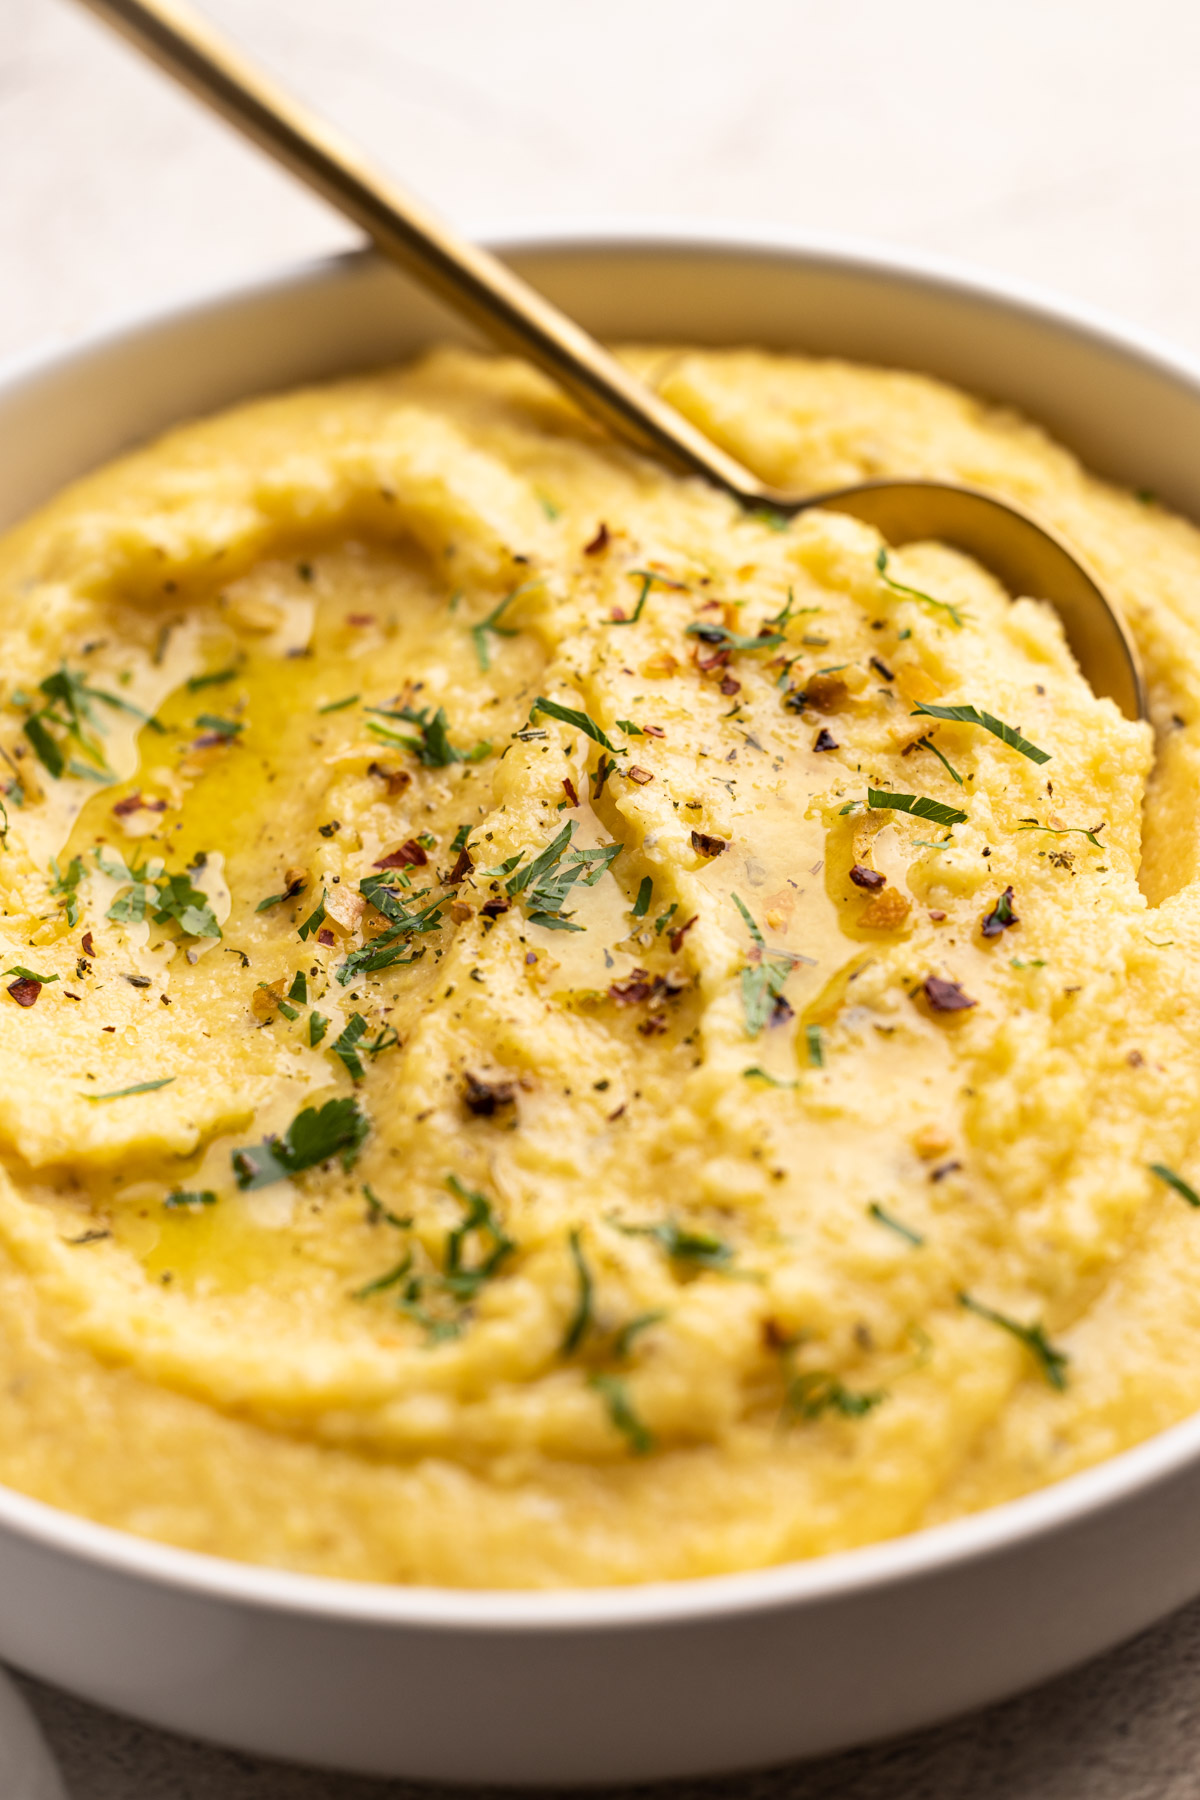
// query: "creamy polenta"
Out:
[559,1032]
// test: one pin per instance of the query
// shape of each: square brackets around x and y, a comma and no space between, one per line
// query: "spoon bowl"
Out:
[1027,558]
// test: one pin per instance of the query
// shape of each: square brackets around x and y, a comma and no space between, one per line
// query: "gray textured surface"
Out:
[1055,140]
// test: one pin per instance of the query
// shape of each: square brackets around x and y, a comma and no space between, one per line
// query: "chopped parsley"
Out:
[898,587]
[139,1087]
[393,945]
[696,1250]
[581,1318]
[189,1197]
[927,743]
[299,988]
[570,715]
[187,906]
[818,1391]
[1181,1187]
[544,883]
[332,706]
[893,1224]
[734,640]
[757,1074]
[816,1049]
[648,578]
[66,886]
[219,727]
[919,805]
[339,1128]
[645,893]
[347,1045]
[24,974]
[315,919]
[971,715]
[1051,1362]
[432,746]
[479,633]
[318,1025]
[217,679]
[763,979]
[462,1279]
[615,1394]
[1092,836]
[623,1341]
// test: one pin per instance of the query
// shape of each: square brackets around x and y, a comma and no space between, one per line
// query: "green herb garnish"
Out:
[893,1224]
[971,715]
[339,1128]
[1064,831]
[570,715]
[1175,1181]
[67,886]
[299,988]
[25,974]
[333,706]
[318,1025]
[816,1048]
[645,893]
[544,883]
[219,727]
[1052,1362]
[433,747]
[139,1087]
[817,1391]
[912,593]
[763,980]
[695,1249]
[177,900]
[216,679]
[648,578]
[345,1046]
[581,1318]
[623,1341]
[757,1074]
[919,805]
[479,633]
[460,1279]
[615,1394]
[734,640]
[187,1197]
[315,919]
[927,743]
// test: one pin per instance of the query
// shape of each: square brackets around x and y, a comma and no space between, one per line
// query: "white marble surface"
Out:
[1056,140]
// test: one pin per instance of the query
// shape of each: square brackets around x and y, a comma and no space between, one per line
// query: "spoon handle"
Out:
[494,299]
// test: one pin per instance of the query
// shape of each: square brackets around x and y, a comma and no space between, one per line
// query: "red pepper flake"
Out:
[491,909]
[410,855]
[936,914]
[654,731]
[825,740]
[681,931]
[134,803]
[211,740]
[871,879]
[617,614]
[996,922]
[730,686]
[569,791]
[325,936]
[653,1026]
[707,845]
[461,869]
[89,949]
[946,996]
[486,1098]
[641,776]
[360,618]
[24,991]
[599,543]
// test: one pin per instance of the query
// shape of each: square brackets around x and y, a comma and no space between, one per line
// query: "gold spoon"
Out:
[1027,558]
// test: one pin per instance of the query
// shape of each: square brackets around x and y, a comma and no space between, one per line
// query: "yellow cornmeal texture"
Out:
[601,1147]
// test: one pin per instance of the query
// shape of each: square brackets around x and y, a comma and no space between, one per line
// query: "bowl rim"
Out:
[840,1575]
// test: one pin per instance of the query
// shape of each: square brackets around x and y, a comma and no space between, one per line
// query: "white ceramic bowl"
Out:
[691,1677]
